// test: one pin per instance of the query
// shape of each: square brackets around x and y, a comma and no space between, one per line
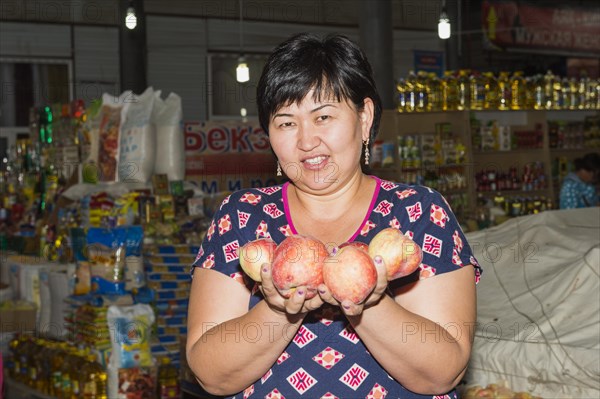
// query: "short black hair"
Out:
[589,162]
[334,66]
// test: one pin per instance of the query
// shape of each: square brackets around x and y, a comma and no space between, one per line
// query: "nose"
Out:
[308,139]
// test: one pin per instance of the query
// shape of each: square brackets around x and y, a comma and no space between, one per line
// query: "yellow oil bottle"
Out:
[401,95]
[421,91]
[79,360]
[411,92]
[518,91]
[549,90]
[573,93]
[557,94]
[168,380]
[464,98]
[38,367]
[449,92]
[539,92]
[66,373]
[93,379]
[477,91]
[434,93]
[504,91]
[56,361]
[491,91]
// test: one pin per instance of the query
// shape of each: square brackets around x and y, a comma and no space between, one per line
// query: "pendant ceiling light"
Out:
[444,24]
[130,17]
[242,72]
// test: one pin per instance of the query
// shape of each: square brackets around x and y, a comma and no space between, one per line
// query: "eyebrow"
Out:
[312,111]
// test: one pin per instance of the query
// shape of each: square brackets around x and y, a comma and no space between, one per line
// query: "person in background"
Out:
[412,337]
[578,188]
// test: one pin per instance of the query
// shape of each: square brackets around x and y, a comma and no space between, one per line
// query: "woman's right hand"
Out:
[296,304]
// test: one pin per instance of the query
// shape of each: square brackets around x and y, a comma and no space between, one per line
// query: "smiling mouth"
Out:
[315,161]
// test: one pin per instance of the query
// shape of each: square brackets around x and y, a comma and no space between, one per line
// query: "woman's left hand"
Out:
[355,309]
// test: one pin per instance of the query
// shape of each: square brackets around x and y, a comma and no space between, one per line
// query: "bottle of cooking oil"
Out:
[13,363]
[93,379]
[79,359]
[557,94]
[56,362]
[538,92]
[590,96]
[582,90]
[529,92]
[504,91]
[38,368]
[477,90]
[491,91]
[168,380]
[449,91]
[434,93]
[598,93]
[66,373]
[401,95]
[25,353]
[549,90]
[411,92]
[464,100]
[518,91]
[573,93]
[422,82]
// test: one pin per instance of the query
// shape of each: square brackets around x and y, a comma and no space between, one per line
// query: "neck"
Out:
[331,206]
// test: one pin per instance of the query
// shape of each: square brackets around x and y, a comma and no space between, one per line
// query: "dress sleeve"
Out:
[219,249]
[441,238]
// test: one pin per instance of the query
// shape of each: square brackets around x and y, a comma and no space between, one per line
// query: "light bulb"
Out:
[130,18]
[242,72]
[444,26]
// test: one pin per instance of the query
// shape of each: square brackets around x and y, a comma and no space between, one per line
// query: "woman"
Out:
[412,337]
[578,189]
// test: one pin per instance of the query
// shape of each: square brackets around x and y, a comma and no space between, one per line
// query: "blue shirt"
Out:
[575,193]
[326,358]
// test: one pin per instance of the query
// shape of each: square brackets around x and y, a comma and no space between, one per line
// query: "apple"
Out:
[350,274]
[254,254]
[298,261]
[401,255]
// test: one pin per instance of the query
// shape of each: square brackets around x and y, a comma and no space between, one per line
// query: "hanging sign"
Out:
[532,26]
[228,155]
[429,61]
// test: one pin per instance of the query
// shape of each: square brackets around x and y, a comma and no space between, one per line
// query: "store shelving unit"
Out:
[464,124]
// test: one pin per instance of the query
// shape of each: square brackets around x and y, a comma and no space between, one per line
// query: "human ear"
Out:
[366,118]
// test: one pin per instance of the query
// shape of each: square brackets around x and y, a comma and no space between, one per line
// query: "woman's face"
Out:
[319,143]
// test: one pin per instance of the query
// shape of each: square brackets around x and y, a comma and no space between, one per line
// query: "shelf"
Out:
[508,152]
[17,390]
[571,150]
[512,193]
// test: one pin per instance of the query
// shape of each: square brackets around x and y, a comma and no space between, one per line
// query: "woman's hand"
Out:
[352,309]
[296,304]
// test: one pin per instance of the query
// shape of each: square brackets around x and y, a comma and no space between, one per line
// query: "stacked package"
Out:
[167,272]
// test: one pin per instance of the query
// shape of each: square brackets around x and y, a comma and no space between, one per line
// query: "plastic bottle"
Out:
[168,380]
[491,91]
[504,98]
[411,92]
[421,91]
[66,373]
[434,93]
[38,369]
[93,379]
[549,90]
[477,91]
[566,93]
[56,361]
[449,91]
[401,95]
[539,92]
[79,359]
[557,94]
[581,90]
[518,91]
[464,98]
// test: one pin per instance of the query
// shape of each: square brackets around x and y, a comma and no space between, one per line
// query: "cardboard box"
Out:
[17,320]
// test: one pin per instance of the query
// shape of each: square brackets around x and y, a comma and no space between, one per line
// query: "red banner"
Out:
[512,24]
[228,155]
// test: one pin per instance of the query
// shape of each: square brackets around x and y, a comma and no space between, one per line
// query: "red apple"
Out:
[298,261]
[254,254]
[401,255]
[350,274]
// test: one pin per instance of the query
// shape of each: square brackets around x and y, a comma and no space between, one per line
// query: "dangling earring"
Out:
[366,151]
[278,169]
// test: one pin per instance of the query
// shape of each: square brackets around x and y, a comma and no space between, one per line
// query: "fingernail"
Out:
[322,291]
[265,269]
[346,306]
[300,292]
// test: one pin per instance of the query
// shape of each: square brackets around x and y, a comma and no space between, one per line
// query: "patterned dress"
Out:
[575,193]
[326,358]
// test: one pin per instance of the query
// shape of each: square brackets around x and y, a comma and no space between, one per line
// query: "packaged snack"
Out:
[130,330]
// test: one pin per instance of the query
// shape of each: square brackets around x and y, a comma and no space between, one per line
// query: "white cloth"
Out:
[538,306]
